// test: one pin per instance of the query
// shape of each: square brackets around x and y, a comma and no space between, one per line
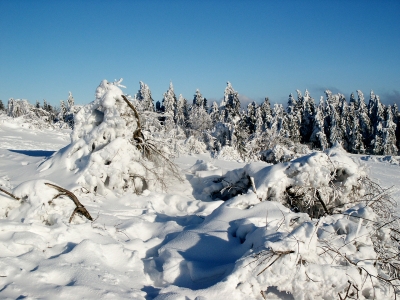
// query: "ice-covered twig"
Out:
[80,209]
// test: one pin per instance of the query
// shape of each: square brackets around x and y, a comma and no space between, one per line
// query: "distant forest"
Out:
[359,127]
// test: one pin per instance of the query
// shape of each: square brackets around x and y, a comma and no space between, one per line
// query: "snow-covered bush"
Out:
[318,183]
[108,150]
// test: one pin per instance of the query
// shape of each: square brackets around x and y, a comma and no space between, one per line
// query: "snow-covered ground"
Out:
[177,244]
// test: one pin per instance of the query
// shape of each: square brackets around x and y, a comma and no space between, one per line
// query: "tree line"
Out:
[360,127]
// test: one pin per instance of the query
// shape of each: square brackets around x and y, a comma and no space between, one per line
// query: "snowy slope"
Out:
[176,244]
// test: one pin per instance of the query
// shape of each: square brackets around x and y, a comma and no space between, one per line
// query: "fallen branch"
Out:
[80,209]
[9,194]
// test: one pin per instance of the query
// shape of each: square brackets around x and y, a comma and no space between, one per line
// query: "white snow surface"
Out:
[177,244]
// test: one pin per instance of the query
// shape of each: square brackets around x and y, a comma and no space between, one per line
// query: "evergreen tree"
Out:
[332,119]
[63,111]
[37,105]
[250,117]
[376,115]
[266,114]
[318,137]
[364,121]
[389,133]
[182,115]
[294,118]
[199,100]
[170,103]
[70,102]
[144,97]
[214,114]
[354,135]
[307,117]
[279,121]
[2,108]
[230,106]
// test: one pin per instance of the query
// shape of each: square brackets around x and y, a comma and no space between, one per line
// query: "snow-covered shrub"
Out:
[318,183]
[108,150]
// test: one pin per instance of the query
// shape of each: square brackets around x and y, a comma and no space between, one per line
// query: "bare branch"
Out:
[9,194]
[80,209]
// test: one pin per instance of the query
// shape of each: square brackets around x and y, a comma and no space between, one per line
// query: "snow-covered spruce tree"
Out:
[376,115]
[182,112]
[266,113]
[107,149]
[2,108]
[293,118]
[143,96]
[199,120]
[354,136]
[63,111]
[389,133]
[226,132]
[214,113]
[333,129]
[70,101]
[396,120]
[307,117]
[169,102]
[318,137]
[365,122]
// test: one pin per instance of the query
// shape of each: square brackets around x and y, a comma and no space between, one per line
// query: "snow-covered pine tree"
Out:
[182,115]
[2,108]
[294,118]
[266,114]
[354,135]
[63,111]
[198,99]
[333,131]
[307,117]
[396,120]
[169,105]
[389,133]
[70,102]
[279,121]
[214,113]
[343,111]
[37,104]
[364,121]
[353,101]
[376,115]
[251,118]
[106,153]
[230,106]
[143,96]
[318,138]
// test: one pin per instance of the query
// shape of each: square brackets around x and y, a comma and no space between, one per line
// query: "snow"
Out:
[178,243]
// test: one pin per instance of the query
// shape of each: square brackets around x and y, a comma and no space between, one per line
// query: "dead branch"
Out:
[137,135]
[9,194]
[80,209]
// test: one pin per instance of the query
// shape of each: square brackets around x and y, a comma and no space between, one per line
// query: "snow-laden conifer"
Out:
[108,150]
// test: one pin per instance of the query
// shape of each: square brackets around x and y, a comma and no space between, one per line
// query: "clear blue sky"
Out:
[264,48]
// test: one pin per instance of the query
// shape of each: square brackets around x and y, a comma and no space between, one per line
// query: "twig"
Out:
[80,209]
[9,194]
